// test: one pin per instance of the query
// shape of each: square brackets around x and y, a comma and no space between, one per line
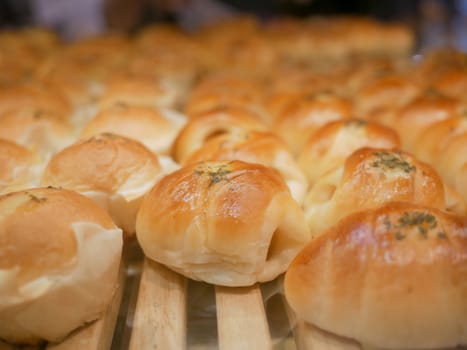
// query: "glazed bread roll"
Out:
[155,128]
[42,131]
[371,177]
[388,91]
[255,147]
[390,278]
[228,223]
[422,112]
[330,145]
[452,163]
[20,168]
[222,120]
[301,119]
[137,90]
[55,275]
[432,141]
[113,170]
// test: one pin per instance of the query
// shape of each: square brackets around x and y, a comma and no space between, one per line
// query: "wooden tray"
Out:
[158,318]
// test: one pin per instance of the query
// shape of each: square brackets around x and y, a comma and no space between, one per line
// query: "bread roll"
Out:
[20,168]
[155,128]
[371,177]
[43,131]
[55,275]
[255,147]
[330,145]
[391,278]
[422,112]
[136,90]
[229,223]
[113,170]
[222,120]
[301,119]
[432,141]
[388,91]
[452,163]
[33,96]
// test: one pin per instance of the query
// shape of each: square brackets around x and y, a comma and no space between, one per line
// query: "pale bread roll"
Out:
[330,145]
[411,120]
[301,119]
[155,128]
[229,223]
[391,278]
[113,170]
[371,177]
[20,168]
[222,120]
[42,131]
[59,258]
[432,141]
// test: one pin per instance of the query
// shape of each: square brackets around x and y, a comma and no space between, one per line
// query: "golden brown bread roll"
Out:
[371,177]
[54,273]
[229,223]
[432,141]
[393,277]
[222,120]
[330,145]
[34,96]
[302,118]
[137,90]
[388,91]
[20,168]
[255,147]
[452,163]
[115,171]
[43,131]
[412,119]
[155,128]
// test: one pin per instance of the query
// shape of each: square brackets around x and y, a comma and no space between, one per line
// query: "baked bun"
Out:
[330,145]
[220,90]
[40,130]
[392,278]
[452,163]
[19,167]
[55,275]
[228,223]
[137,90]
[432,141]
[222,120]
[422,112]
[33,96]
[302,118]
[255,147]
[113,170]
[388,91]
[155,128]
[371,177]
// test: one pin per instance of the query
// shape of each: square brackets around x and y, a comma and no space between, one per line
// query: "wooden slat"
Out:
[241,320]
[97,335]
[160,316]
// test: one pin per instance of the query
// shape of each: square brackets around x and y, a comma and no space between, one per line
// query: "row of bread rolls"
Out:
[246,210]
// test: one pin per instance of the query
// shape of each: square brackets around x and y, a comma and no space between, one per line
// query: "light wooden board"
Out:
[160,316]
[241,320]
